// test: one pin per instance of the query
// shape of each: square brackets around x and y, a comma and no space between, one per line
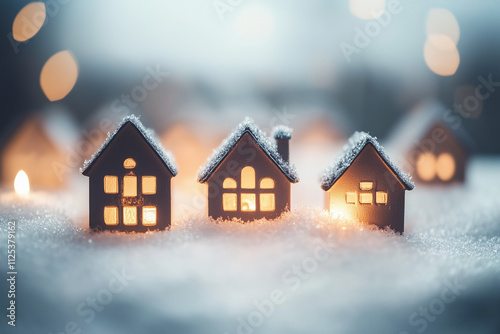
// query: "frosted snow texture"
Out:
[261,139]
[282,132]
[202,277]
[354,146]
[148,134]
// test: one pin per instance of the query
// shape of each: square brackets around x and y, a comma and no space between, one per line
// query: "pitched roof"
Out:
[264,142]
[149,136]
[356,143]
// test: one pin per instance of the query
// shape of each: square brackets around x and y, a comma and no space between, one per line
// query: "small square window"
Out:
[247,202]
[229,202]
[366,185]
[267,202]
[130,186]
[149,185]
[149,215]
[366,198]
[350,198]
[129,215]
[381,197]
[111,215]
[111,184]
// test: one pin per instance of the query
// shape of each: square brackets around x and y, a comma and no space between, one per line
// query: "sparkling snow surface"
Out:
[203,277]
[148,134]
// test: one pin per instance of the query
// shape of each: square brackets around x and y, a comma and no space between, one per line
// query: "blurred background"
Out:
[193,69]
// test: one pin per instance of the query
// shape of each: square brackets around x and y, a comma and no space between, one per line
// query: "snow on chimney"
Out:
[282,134]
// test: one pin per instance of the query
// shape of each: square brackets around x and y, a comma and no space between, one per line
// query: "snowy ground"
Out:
[305,273]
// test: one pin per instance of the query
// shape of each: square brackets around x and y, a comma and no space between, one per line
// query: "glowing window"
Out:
[229,202]
[229,183]
[445,166]
[149,215]
[381,197]
[350,198]
[247,202]
[130,215]
[111,184]
[248,178]
[267,202]
[267,183]
[366,198]
[426,166]
[129,163]
[129,186]
[366,185]
[149,185]
[110,215]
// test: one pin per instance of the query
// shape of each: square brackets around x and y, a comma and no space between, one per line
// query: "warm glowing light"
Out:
[111,215]
[229,202]
[441,55]
[22,183]
[350,198]
[28,21]
[247,202]
[366,185]
[367,9]
[426,166]
[248,178]
[59,75]
[366,198]
[267,202]
[441,21]
[111,184]
[129,163]
[130,215]
[149,216]
[445,166]
[381,197]
[229,183]
[149,185]
[267,183]
[130,186]
[254,22]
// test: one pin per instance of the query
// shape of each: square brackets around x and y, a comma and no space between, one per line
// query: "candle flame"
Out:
[22,183]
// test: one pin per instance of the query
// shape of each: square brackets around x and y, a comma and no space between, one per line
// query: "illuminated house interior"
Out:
[130,178]
[249,177]
[363,184]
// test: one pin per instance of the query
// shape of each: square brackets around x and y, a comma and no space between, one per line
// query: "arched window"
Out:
[248,178]
[242,198]
[445,166]
[426,166]
[129,163]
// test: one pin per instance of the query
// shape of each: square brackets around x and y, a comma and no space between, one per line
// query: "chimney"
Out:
[282,134]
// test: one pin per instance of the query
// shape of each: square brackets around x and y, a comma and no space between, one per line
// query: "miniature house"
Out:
[364,185]
[129,181]
[249,177]
[39,146]
[433,152]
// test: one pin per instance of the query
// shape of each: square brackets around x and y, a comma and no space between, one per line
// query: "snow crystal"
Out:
[282,132]
[149,136]
[351,150]
[261,139]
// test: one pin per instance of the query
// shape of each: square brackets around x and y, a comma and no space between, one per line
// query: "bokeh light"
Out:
[441,21]
[367,9]
[28,21]
[441,55]
[59,75]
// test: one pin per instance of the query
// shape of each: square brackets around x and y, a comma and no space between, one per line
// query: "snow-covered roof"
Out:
[351,150]
[264,142]
[148,135]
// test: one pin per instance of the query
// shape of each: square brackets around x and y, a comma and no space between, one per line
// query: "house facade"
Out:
[130,181]
[249,177]
[364,185]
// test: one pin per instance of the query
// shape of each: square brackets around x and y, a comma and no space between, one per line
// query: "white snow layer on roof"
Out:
[148,134]
[261,139]
[282,132]
[354,146]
